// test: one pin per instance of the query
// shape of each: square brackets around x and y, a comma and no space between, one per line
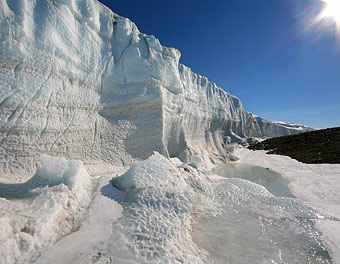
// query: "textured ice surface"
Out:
[155,227]
[315,184]
[35,214]
[234,220]
[81,82]
[250,225]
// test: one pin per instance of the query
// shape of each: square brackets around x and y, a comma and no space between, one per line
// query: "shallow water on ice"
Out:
[271,180]
[251,225]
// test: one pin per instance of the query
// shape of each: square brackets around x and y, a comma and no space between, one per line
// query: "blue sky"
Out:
[261,51]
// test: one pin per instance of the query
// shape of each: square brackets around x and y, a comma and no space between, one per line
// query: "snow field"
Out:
[163,211]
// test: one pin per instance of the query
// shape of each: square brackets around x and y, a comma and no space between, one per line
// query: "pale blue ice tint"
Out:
[252,225]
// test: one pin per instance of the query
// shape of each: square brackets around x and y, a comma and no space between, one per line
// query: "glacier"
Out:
[83,95]
[81,82]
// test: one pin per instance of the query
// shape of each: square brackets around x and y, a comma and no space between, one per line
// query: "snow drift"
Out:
[35,214]
[81,82]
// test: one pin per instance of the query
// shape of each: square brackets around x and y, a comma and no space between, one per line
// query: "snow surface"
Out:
[37,213]
[156,215]
[166,211]
[152,223]
[85,244]
[81,82]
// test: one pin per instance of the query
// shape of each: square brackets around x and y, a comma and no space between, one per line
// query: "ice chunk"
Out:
[56,170]
[196,161]
[37,213]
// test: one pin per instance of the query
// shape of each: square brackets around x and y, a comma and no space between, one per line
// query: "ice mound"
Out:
[35,214]
[155,227]
[155,171]
[55,170]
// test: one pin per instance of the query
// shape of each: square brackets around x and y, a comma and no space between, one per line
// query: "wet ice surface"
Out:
[271,180]
[251,225]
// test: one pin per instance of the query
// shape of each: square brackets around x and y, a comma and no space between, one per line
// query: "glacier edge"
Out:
[81,82]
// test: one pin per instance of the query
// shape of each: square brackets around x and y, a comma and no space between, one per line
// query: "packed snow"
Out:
[85,244]
[165,211]
[146,220]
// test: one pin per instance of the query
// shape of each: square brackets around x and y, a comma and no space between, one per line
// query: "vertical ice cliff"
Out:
[77,80]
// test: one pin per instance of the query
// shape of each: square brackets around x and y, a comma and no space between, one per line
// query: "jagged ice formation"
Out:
[78,81]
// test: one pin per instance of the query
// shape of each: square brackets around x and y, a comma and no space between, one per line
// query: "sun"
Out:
[330,12]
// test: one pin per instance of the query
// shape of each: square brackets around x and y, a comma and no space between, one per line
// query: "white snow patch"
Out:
[85,245]
[155,171]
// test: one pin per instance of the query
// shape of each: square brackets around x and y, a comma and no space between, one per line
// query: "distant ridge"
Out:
[320,146]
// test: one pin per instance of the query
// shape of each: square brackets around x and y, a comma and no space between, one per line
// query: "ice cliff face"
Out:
[81,82]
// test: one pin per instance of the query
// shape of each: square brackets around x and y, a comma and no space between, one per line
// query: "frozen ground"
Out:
[165,211]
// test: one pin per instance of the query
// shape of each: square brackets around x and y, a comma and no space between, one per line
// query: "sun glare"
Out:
[331,12]
[332,9]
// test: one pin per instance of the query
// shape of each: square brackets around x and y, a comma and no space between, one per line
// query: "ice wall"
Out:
[203,115]
[81,82]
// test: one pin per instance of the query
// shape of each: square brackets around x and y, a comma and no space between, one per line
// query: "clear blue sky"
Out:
[259,51]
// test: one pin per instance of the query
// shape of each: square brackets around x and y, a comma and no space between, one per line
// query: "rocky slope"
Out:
[321,146]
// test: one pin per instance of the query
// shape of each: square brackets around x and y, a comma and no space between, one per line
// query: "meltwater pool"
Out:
[269,179]
[256,219]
